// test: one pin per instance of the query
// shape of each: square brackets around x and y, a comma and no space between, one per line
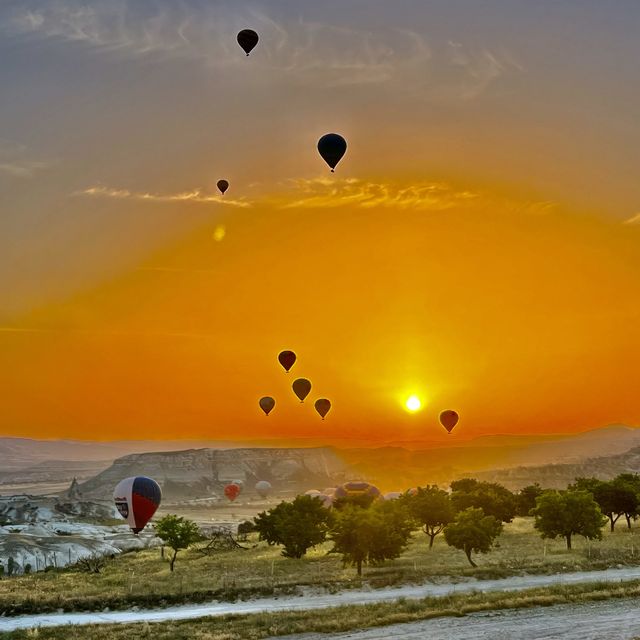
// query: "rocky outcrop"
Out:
[558,476]
[204,472]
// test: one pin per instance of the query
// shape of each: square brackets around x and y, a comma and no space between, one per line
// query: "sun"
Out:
[413,404]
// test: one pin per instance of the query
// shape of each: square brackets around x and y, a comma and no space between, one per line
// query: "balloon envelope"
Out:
[287,359]
[302,388]
[222,185]
[267,404]
[322,406]
[137,499]
[392,495]
[232,491]
[263,488]
[248,39]
[449,419]
[332,147]
[357,488]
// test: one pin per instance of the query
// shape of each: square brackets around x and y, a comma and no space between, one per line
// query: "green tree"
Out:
[432,508]
[371,535]
[297,525]
[615,497]
[631,480]
[566,513]
[473,532]
[526,499]
[494,499]
[177,533]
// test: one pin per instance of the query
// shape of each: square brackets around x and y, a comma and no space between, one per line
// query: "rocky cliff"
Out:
[204,472]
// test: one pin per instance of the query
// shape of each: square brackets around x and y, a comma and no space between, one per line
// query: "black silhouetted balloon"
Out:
[332,147]
[248,39]
[322,407]
[302,388]
[223,185]
[287,359]
[267,404]
[449,419]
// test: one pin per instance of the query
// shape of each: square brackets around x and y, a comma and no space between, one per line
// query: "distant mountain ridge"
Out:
[558,476]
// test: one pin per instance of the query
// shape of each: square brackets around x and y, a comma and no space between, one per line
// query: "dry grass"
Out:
[143,579]
[335,620]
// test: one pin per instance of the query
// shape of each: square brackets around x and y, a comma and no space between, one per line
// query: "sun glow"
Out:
[413,404]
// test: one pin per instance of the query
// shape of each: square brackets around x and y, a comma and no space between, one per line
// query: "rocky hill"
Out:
[204,472]
[558,476]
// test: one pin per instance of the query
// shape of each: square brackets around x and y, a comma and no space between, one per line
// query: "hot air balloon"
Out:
[248,39]
[263,488]
[137,499]
[287,359]
[313,493]
[332,147]
[327,500]
[222,185]
[356,488]
[392,495]
[449,419]
[232,491]
[302,388]
[322,407]
[267,404]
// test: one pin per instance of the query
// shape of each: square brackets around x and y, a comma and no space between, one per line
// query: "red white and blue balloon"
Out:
[137,499]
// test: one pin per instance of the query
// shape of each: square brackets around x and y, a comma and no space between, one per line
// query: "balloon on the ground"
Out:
[355,489]
[267,404]
[248,39]
[392,495]
[449,419]
[222,185]
[137,499]
[287,359]
[263,488]
[332,148]
[232,491]
[313,493]
[323,406]
[302,388]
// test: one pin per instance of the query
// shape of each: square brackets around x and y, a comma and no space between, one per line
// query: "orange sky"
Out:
[478,246]
[521,316]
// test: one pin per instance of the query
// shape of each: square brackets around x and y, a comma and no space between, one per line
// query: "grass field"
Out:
[334,620]
[143,579]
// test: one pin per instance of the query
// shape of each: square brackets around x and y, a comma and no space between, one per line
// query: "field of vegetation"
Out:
[144,579]
[334,620]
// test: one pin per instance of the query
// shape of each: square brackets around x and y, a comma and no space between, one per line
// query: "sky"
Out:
[478,245]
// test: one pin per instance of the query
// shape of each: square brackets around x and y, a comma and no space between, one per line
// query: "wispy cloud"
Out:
[332,192]
[196,196]
[633,220]
[17,162]
[305,52]
[329,192]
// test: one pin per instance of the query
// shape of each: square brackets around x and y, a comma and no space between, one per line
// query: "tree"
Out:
[565,513]
[615,497]
[494,499]
[526,499]
[473,532]
[631,480]
[371,535]
[177,533]
[432,508]
[297,525]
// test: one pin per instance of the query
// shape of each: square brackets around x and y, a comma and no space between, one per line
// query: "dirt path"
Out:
[608,620]
[321,601]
